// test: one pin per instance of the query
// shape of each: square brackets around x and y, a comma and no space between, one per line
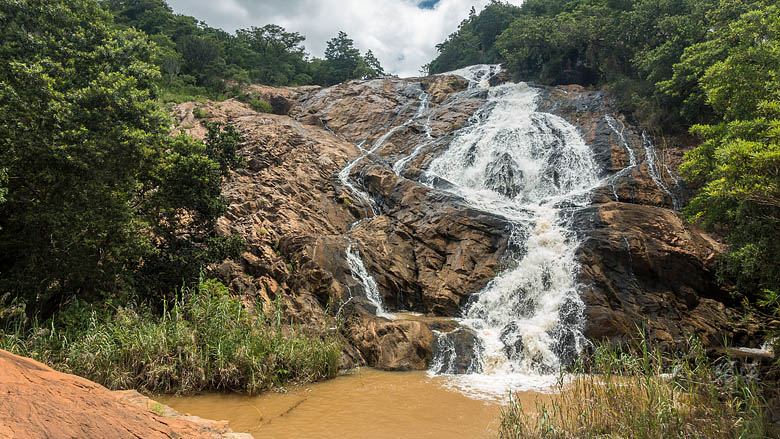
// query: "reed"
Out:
[204,340]
[646,394]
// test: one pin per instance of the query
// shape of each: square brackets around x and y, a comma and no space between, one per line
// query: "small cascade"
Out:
[425,108]
[652,167]
[356,265]
[534,169]
[479,75]
[612,122]
[370,287]
[344,174]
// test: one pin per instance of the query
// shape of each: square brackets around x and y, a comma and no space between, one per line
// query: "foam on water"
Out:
[534,169]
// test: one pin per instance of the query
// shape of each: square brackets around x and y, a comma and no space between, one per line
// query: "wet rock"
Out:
[502,175]
[642,265]
[391,344]
[513,341]
[456,352]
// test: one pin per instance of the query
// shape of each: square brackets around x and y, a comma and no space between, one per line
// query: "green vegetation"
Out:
[644,394]
[649,52]
[100,201]
[710,67]
[474,42]
[738,163]
[198,60]
[104,215]
[204,340]
[260,106]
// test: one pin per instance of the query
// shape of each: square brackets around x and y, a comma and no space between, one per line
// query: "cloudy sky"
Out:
[401,33]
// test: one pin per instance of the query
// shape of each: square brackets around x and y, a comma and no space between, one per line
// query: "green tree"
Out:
[738,163]
[342,59]
[96,187]
[373,68]
[474,41]
[278,54]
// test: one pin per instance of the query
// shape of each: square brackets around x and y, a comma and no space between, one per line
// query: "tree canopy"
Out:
[98,197]
[196,59]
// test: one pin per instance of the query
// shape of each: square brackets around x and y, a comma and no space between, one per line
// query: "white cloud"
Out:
[402,35]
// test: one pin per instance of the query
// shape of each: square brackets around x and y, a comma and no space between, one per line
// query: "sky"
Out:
[402,33]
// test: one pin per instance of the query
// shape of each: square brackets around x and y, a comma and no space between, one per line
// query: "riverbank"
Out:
[39,402]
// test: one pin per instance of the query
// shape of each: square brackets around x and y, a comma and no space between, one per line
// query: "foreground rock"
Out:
[39,402]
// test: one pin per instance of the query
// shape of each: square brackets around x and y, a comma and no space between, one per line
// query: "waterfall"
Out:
[612,122]
[356,265]
[359,272]
[655,174]
[534,169]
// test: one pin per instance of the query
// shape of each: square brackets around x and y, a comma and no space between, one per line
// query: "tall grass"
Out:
[644,394]
[205,340]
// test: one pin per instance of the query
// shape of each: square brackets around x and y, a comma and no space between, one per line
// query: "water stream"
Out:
[534,169]
[356,265]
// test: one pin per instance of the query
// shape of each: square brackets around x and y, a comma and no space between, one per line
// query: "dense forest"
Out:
[711,67]
[196,59]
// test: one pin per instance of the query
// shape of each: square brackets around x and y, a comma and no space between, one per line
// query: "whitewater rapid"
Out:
[534,169]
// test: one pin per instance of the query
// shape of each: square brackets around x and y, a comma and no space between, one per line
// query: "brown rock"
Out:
[391,344]
[642,265]
[39,402]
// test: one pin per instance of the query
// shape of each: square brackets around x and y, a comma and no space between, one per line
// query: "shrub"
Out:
[205,340]
[260,106]
[200,113]
[646,395]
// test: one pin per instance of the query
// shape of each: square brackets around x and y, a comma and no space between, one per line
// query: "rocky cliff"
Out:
[344,173]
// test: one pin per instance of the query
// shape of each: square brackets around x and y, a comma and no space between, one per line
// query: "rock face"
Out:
[39,402]
[641,264]
[345,169]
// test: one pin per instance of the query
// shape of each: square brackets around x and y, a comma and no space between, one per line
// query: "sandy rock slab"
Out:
[39,402]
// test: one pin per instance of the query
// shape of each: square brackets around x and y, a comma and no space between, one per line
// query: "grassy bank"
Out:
[645,394]
[205,340]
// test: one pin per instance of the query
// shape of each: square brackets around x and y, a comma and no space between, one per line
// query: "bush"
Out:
[260,106]
[205,340]
[646,395]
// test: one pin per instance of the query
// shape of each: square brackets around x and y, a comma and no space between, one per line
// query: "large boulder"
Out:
[39,402]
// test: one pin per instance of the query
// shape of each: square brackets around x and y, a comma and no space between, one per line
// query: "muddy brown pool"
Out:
[364,404]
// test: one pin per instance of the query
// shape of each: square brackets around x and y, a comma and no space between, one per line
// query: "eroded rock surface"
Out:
[39,402]
[430,251]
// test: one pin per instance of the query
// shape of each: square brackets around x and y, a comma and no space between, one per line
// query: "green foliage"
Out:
[198,60]
[261,106]
[738,162]
[649,52]
[343,62]
[200,113]
[100,200]
[277,56]
[473,42]
[205,340]
[644,394]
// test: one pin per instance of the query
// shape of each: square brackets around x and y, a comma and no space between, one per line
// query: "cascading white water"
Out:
[532,168]
[359,272]
[425,108]
[612,122]
[356,265]
[655,174]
